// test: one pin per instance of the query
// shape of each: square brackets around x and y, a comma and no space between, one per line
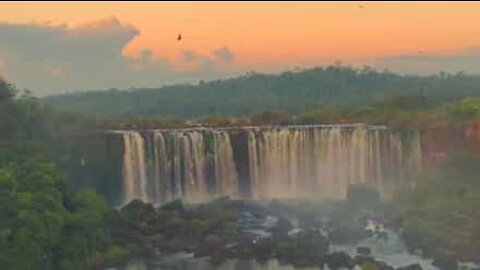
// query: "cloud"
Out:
[224,54]
[198,61]
[50,58]
[467,60]
[215,60]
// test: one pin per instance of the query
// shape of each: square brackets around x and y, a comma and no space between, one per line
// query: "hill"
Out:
[290,92]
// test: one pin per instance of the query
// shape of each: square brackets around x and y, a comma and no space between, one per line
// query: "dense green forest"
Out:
[289,92]
[43,223]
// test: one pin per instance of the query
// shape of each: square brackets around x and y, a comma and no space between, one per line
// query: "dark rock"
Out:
[382,235]
[337,260]
[156,239]
[218,257]
[414,266]
[282,227]
[445,263]
[176,205]
[262,250]
[137,210]
[364,251]
[212,239]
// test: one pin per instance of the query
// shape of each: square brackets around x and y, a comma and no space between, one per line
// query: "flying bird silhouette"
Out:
[360,6]
[179,37]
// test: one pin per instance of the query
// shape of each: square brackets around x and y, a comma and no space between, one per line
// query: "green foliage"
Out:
[116,252]
[24,118]
[321,116]
[464,109]
[403,113]
[135,122]
[42,226]
[270,118]
[368,265]
[440,214]
[214,121]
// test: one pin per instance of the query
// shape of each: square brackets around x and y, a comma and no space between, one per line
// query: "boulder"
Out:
[175,205]
[337,260]
[137,211]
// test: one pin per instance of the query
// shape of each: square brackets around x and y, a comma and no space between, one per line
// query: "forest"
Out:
[43,223]
[334,87]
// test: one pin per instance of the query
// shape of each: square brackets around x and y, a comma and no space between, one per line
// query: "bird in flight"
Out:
[179,37]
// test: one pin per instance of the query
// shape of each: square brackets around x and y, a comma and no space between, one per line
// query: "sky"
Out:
[57,47]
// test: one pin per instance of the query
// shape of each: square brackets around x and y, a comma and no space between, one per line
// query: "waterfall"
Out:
[318,162]
[281,162]
[134,173]
[225,170]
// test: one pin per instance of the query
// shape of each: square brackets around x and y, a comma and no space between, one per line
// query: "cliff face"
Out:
[95,161]
[472,134]
[438,144]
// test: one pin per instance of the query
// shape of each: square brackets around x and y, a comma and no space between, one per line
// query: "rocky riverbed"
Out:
[235,234]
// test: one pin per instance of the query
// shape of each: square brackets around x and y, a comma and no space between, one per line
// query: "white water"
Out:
[283,162]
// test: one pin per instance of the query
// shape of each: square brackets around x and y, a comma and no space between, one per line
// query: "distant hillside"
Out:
[292,92]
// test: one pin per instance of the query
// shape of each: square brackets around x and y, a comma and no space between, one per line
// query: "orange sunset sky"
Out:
[52,47]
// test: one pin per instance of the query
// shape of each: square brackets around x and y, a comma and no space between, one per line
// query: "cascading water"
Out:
[134,182]
[282,162]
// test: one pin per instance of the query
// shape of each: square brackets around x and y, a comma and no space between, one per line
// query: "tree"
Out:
[321,116]
[42,224]
[7,91]
[464,109]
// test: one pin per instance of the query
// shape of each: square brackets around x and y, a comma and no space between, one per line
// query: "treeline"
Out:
[289,92]
[403,112]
